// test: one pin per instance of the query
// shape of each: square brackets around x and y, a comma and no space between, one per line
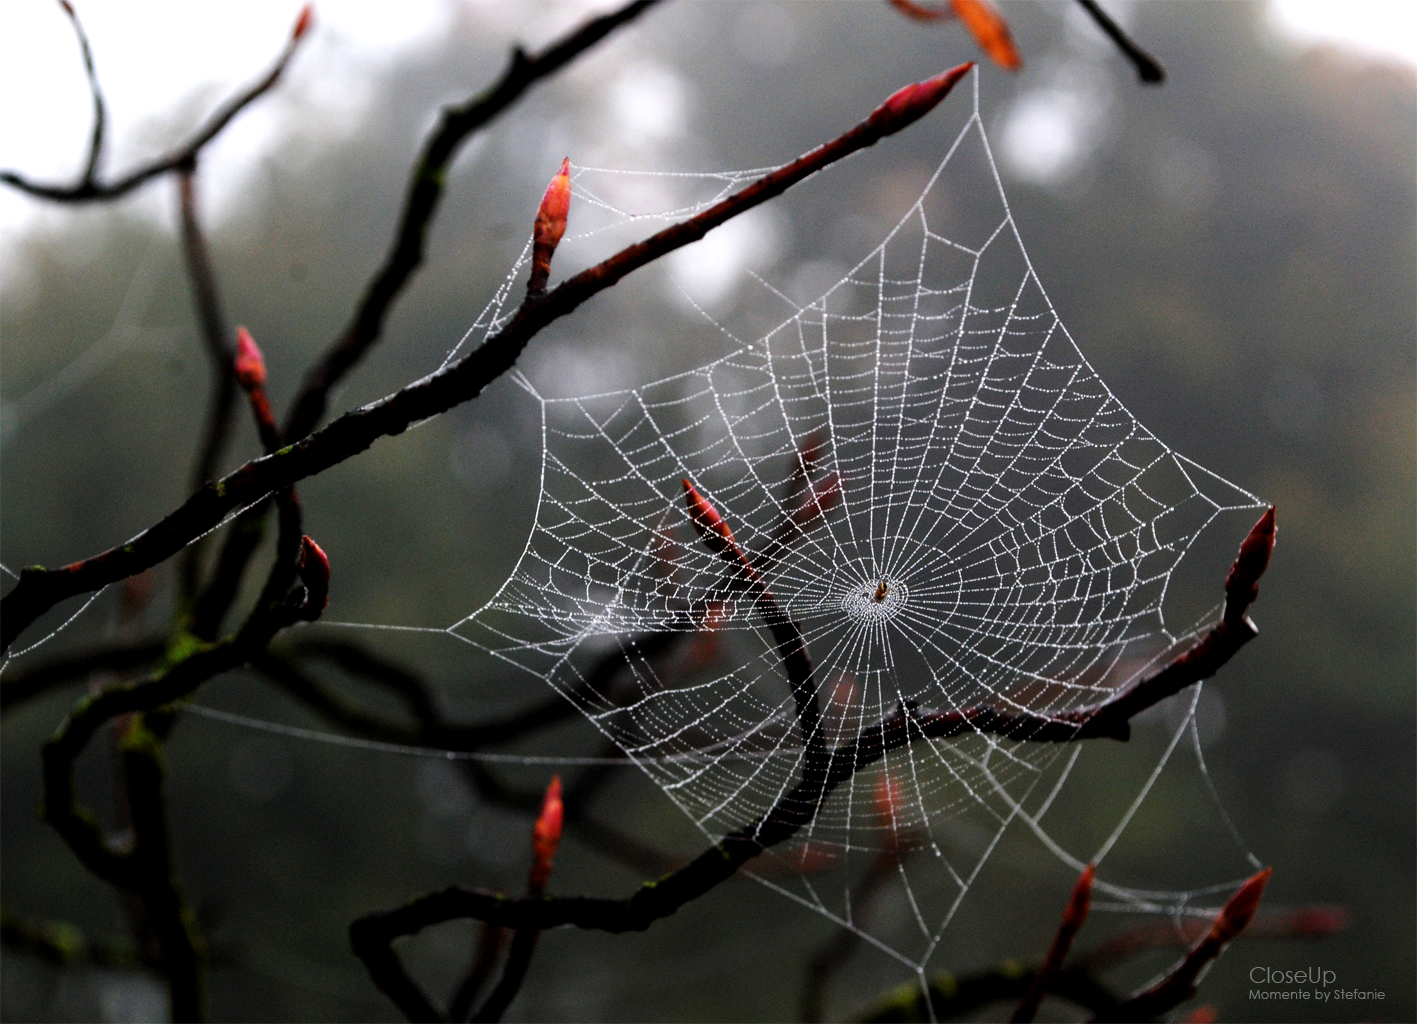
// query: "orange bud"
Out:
[708,523]
[314,572]
[1239,909]
[990,31]
[250,364]
[302,22]
[545,837]
[550,226]
[912,102]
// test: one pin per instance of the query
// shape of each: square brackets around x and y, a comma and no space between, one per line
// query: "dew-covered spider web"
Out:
[933,483]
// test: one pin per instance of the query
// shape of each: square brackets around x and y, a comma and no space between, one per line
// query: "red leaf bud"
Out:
[302,22]
[912,102]
[708,523]
[1239,909]
[314,572]
[1253,558]
[546,836]
[1081,900]
[888,800]
[250,364]
[919,12]
[990,31]
[550,226]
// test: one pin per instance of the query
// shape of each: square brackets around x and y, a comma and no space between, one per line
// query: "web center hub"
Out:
[875,600]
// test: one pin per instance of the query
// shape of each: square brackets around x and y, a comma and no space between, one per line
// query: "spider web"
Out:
[936,487]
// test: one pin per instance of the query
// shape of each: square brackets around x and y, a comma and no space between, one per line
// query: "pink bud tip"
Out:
[250,364]
[303,21]
[1240,908]
[314,572]
[708,523]
[1081,900]
[546,836]
[914,101]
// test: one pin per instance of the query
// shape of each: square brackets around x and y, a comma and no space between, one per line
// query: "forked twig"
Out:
[1180,984]
[372,935]
[425,191]
[88,189]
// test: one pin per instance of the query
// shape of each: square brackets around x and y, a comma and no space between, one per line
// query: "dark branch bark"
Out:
[39,589]
[489,950]
[87,189]
[20,686]
[100,116]
[1149,69]
[212,325]
[425,191]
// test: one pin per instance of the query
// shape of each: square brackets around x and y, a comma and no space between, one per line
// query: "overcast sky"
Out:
[161,73]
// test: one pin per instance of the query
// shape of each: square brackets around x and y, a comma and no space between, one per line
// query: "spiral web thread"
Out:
[939,490]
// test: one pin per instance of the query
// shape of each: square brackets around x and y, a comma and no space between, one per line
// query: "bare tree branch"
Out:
[425,191]
[39,589]
[87,189]
[19,686]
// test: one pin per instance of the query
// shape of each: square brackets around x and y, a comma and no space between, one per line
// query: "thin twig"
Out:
[155,879]
[1180,984]
[212,324]
[39,589]
[1149,69]
[87,189]
[1073,917]
[490,941]
[18,686]
[100,116]
[425,191]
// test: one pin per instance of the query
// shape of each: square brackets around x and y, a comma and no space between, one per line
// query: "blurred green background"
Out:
[1234,251]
